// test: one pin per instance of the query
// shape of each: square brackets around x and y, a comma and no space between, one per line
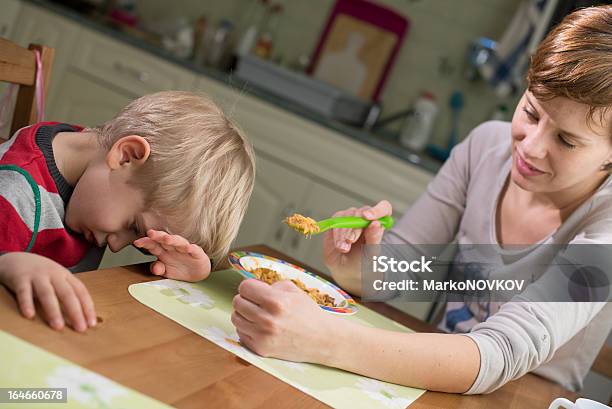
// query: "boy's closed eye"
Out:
[134,227]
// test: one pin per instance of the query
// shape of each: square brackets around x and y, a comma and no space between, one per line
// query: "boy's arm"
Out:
[58,291]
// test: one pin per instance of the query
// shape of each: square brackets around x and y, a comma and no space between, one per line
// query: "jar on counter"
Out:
[419,125]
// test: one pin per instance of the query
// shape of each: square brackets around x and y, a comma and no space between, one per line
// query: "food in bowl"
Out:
[270,276]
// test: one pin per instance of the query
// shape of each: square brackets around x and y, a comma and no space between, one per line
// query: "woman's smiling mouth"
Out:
[525,168]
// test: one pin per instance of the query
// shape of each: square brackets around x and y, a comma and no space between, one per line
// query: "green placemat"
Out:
[206,307]
[23,365]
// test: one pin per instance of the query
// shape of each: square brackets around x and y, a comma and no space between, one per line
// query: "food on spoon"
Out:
[303,224]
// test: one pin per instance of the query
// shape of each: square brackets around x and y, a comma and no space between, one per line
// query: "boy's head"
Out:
[169,161]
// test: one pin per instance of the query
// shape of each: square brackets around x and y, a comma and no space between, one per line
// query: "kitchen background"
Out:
[110,52]
[432,58]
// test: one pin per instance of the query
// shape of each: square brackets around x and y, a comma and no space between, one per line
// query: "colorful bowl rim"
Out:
[234,259]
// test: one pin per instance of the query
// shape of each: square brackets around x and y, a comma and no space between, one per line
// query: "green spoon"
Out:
[340,222]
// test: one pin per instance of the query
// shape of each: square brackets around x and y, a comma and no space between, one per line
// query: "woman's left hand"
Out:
[176,257]
[281,321]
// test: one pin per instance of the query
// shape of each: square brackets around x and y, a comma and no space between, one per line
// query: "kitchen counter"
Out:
[383,141]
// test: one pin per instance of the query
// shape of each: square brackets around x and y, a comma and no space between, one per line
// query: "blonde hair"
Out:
[201,168]
[575,61]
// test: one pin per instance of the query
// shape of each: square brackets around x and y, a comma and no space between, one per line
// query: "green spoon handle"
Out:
[352,222]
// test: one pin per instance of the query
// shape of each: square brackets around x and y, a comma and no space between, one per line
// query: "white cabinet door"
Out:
[9,10]
[128,68]
[84,100]
[278,192]
[127,256]
[38,26]
[8,18]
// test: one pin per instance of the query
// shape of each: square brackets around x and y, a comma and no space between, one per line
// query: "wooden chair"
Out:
[18,66]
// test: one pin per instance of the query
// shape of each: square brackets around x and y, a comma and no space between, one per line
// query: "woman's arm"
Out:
[438,362]
[522,336]
[281,321]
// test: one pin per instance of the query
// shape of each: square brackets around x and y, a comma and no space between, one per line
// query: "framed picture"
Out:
[357,47]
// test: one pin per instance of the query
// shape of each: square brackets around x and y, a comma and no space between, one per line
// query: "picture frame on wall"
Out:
[358,46]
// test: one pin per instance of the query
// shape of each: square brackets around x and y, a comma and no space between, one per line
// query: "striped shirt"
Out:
[33,199]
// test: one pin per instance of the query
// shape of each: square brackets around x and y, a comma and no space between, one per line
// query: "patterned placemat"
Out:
[205,308]
[24,365]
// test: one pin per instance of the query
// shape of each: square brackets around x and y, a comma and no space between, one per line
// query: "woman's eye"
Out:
[566,143]
[530,115]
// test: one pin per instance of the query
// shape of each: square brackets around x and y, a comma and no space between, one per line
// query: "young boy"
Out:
[170,174]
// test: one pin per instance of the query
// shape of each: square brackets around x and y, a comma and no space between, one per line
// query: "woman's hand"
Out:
[281,321]
[342,248]
[176,257]
[57,290]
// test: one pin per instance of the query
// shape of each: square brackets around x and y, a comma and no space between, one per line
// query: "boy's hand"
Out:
[56,288]
[176,257]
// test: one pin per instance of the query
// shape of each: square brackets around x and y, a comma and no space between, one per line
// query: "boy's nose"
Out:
[99,239]
[117,241]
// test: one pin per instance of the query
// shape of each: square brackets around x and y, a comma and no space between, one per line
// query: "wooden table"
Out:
[143,350]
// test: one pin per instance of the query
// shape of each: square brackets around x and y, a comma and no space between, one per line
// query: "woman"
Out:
[544,179]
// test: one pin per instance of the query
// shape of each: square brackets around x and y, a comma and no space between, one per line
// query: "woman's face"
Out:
[553,148]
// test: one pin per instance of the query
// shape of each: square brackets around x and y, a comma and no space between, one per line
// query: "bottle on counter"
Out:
[419,125]
[269,26]
[250,24]
[199,39]
[219,46]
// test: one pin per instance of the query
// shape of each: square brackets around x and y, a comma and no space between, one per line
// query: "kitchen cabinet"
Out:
[277,193]
[95,106]
[38,26]
[127,256]
[327,156]
[127,68]
[102,61]
[8,17]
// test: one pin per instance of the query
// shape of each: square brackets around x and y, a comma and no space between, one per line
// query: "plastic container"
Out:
[418,127]
[317,96]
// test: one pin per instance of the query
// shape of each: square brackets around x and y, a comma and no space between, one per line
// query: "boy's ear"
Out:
[129,150]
